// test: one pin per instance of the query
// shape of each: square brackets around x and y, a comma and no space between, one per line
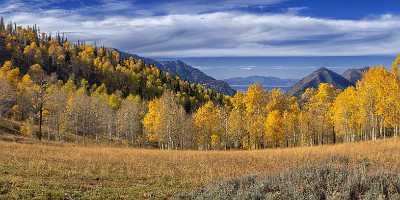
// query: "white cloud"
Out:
[220,33]
[248,68]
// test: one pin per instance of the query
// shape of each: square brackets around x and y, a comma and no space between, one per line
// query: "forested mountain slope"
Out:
[79,61]
[185,72]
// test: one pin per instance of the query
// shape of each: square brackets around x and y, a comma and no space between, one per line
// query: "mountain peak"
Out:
[322,69]
[321,75]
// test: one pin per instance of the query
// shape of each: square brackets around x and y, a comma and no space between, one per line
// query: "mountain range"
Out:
[185,72]
[229,86]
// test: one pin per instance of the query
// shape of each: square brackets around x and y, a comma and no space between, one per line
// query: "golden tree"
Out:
[345,114]
[255,102]
[274,132]
[206,122]
[318,107]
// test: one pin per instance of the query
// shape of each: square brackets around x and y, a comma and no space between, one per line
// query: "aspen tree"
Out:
[273,128]
[255,102]
[206,122]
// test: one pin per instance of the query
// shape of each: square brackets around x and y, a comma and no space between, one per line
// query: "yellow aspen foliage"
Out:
[26,81]
[255,99]
[87,54]
[345,113]
[33,53]
[13,76]
[206,122]
[114,101]
[27,128]
[152,121]
[7,66]
[395,66]
[215,141]
[255,102]
[277,101]
[371,97]
[36,69]
[115,56]
[164,119]
[69,87]
[133,98]
[67,46]
[84,87]
[237,101]
[291,122]
[237,127]
[274,132]
[100,91]
[317,106]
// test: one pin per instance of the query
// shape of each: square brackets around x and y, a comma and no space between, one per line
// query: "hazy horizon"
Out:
[287,67]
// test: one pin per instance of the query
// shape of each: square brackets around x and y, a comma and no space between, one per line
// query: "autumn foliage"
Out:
[77,92]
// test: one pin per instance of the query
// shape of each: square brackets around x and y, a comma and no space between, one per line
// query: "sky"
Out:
[282,67]
[221,28]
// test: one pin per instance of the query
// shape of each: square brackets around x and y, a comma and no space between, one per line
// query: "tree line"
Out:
[77,92]
[260,119]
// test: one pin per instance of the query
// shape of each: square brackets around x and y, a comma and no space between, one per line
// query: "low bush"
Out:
[336,179]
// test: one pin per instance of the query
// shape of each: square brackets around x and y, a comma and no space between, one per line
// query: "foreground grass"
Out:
[38,171]
[335,179]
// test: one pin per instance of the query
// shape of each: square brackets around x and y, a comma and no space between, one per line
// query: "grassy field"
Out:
[65,171]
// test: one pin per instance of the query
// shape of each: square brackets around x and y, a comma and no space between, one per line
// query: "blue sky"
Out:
[221,28]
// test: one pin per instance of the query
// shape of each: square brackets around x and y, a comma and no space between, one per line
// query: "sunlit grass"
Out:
[58,171]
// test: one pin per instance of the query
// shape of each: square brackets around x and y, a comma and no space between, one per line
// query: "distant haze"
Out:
[281,67]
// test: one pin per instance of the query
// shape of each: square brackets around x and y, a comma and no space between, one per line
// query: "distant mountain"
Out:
[268,82]
[263,80]
[186,72]
[192,74]
[353,75]
[322,75]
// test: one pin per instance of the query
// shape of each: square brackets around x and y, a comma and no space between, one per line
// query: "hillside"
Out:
[354,75]
[194,75]
[322,75]
[185,72]
[64,60]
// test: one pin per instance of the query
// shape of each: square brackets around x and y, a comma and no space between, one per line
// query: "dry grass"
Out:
[68,171]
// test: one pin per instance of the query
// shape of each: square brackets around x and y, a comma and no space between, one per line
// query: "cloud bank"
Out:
[194,29]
